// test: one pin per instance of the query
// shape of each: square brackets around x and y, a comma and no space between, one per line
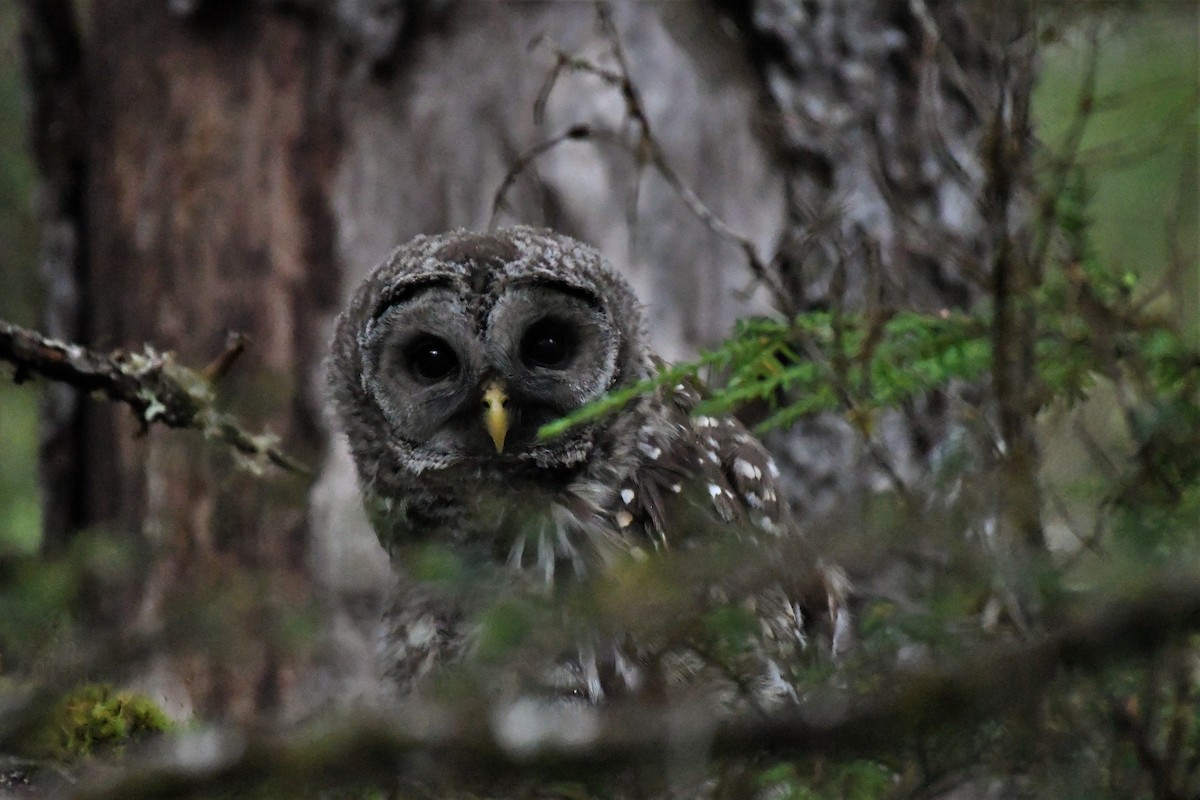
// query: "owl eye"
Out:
[548,343]
[431,359]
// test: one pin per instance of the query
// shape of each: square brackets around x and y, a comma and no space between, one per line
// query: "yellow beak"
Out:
[495,413]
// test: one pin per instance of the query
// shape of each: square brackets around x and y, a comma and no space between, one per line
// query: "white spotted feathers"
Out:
[711,460]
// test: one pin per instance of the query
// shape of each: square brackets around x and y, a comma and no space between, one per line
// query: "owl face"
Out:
[479,391]
[462,345]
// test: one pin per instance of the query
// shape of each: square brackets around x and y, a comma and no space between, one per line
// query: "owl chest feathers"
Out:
[658,480]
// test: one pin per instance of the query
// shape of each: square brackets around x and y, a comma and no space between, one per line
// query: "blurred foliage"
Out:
[20,514]
[854,780]
[95,718]
[20,300]
[1118,359]
[1140,146]
[38,596]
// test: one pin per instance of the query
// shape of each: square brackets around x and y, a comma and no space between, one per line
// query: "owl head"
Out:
[457,348]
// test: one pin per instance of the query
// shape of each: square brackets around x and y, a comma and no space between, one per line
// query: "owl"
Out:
[449,358]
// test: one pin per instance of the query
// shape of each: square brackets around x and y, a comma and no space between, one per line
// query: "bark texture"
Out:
[210,144]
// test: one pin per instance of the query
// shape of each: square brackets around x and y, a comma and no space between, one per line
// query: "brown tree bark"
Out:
[209,148]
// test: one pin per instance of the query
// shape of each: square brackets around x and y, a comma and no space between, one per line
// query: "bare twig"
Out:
[235,345]
[1067,158]
[646,150]
[524,161]
[151,383]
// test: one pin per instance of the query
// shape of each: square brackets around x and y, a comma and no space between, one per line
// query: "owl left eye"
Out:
[432,359]
[548,343]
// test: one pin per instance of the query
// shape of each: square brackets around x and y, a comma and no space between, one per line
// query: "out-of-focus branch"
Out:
[151,383]
[1015,277]
[540,734]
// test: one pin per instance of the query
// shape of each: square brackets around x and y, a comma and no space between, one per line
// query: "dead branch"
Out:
[646,150]
[150,383]
[531,734]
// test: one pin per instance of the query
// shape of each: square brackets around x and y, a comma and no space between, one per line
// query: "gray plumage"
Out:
[459,332]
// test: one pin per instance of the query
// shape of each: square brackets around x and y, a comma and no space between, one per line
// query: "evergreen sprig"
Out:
[858,364]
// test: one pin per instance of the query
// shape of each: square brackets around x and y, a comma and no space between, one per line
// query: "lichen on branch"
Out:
[151,383]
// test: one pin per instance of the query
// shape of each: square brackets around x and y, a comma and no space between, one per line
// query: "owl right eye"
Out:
[431,359]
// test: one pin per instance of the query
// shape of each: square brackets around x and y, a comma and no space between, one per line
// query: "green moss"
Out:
[94,718]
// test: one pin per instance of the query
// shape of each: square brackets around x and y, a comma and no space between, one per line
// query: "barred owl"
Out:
[449,358]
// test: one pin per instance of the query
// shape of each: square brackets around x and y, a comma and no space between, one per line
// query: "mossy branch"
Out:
[149,382]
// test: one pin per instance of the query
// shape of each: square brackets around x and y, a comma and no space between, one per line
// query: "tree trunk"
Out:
[210,146]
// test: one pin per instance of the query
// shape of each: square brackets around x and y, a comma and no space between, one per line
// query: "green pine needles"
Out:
[1092,321]
[858,364]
